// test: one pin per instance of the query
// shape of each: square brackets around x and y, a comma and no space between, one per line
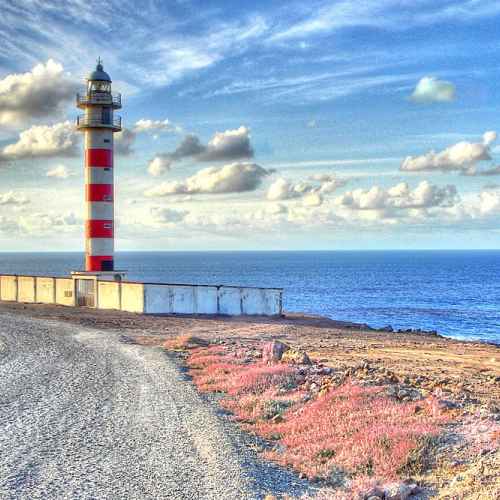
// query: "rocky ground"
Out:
[463,376]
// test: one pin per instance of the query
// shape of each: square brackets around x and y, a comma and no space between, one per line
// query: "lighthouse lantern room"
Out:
[99,123]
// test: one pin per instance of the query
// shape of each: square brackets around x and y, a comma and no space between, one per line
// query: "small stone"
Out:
[277,419]
[446,404]
[374,494]
[391,390]
[399,491]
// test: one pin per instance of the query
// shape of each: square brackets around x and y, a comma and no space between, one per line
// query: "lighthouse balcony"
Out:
[114,123]
[99,99]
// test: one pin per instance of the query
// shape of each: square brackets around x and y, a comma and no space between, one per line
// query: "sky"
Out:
[259,125]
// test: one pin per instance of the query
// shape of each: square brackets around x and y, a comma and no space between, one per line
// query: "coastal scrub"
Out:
[345,434]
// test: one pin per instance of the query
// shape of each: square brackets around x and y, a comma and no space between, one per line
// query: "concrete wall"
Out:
[180,299]
[108,295]
[266,301]
[230,301]
[133,297]
[8,288]
[193,299]
[26,289]
[157,299]
[45,290]
[207,298]
[65,292]
[149,298]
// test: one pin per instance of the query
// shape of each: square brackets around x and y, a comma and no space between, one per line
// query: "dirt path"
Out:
[84,415]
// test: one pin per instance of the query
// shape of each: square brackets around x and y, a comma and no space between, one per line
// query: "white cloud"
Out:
[229,145]
[430,89]
[313,199]
[495,170]
[59,172]
[176,56]
[330,17]
[318,86]
[49,223]
[489,202]
[155,126]
[400,196]
[328,182]
[461,157]
[232,144]
[232,178]
[60,139]
[489,137]
[8,226]
[123,141]
[13,198]
[283,189]
[42,92]
[159,165]
[167,215]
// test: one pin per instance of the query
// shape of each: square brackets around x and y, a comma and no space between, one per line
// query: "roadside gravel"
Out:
[85,416]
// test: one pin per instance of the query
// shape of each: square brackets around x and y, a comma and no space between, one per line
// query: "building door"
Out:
[85,293]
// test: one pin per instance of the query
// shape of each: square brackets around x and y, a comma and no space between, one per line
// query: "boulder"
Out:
[295,357]
[273,351]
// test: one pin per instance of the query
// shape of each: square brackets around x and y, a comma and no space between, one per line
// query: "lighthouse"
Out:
[99,123]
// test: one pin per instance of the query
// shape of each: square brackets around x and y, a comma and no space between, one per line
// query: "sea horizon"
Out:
[454,292]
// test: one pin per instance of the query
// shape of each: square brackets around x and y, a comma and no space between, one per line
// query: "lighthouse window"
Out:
[106,116]
[99,86]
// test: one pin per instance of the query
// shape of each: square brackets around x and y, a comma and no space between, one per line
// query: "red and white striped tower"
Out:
[98,124]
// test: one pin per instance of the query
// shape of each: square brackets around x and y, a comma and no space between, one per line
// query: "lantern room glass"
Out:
[97,87]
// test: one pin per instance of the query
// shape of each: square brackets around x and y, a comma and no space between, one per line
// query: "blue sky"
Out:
[318,125]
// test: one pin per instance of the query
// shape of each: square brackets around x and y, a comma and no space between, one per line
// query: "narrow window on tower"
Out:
[106,116]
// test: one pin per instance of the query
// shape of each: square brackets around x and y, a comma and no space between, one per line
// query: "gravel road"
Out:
[85,416]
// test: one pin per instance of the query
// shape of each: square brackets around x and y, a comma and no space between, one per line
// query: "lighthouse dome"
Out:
[99,74]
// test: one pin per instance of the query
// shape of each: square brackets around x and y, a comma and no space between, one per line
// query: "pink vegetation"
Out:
[351,432]
[356,429]
[226,373]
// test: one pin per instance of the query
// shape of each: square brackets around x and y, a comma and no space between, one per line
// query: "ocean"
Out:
[456,293]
